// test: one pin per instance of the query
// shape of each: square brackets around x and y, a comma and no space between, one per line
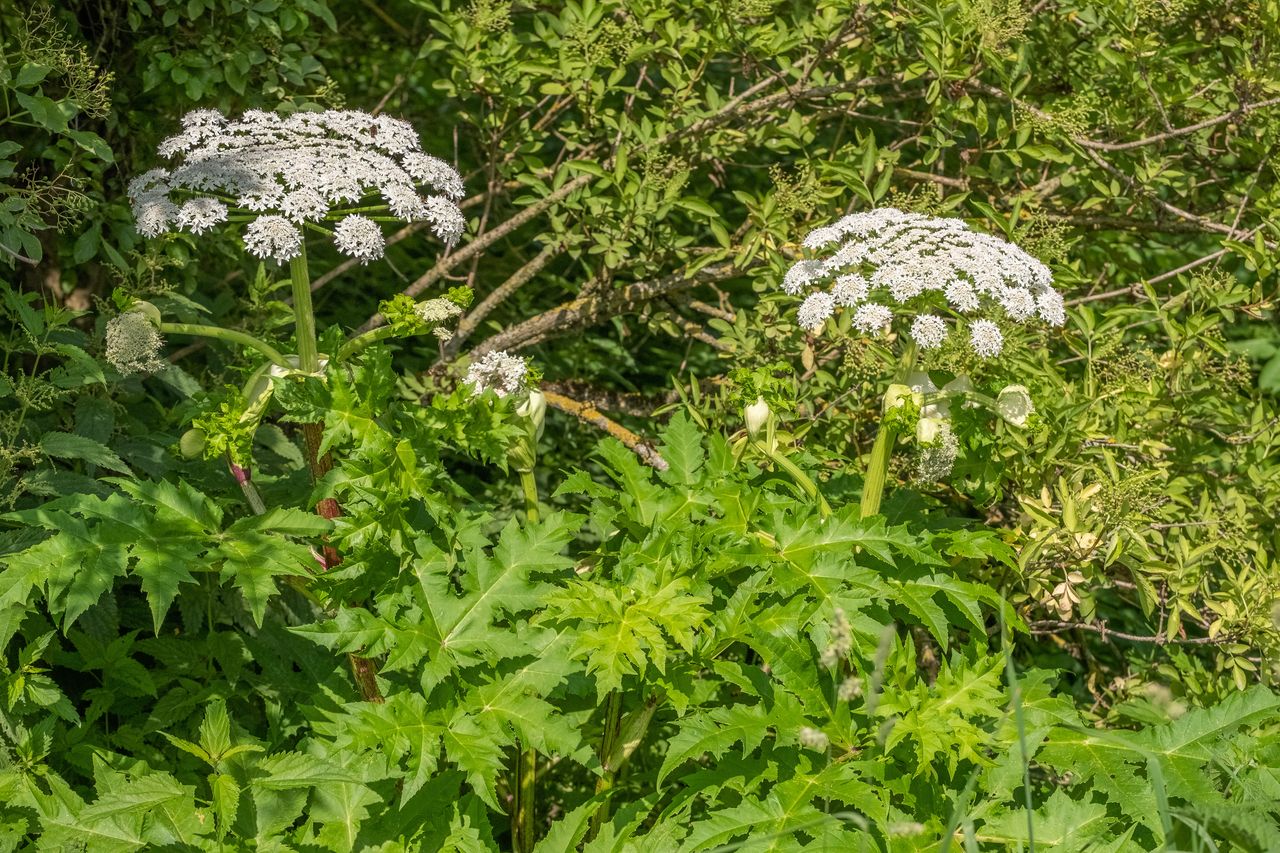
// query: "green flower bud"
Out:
[192,443]
[928,430]
[898,395]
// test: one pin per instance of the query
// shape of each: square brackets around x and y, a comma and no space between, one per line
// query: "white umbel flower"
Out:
[811,738]
[497,371]
[815,310]
[872,318]
[359,237]
[985,338]
[849,290]
[912,265]
[929,331]
[305,167]
[201,214]
[273,237]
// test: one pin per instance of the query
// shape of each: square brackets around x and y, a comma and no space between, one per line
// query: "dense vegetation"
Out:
[353,605]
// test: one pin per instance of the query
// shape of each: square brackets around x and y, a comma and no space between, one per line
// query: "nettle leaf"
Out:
[64,445]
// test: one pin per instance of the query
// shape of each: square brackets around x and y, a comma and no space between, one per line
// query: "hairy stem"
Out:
[231,336]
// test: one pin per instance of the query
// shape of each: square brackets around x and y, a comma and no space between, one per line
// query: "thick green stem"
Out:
[231,336]
[802,479]
[303,314]
[530,487]
[608,743]
[523,815]
[363,670]
[877,470]
[886,435]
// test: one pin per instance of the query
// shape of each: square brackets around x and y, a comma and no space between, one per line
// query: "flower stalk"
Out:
[230,336]
[887,433]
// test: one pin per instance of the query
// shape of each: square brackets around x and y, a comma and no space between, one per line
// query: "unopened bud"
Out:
[898,395]
[756,416]
[929,429]
[1013,403]
[535,409]
[192,443]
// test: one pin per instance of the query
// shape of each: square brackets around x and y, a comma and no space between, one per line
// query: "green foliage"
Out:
[1069,646]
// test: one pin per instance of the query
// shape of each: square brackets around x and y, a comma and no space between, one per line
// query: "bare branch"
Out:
[584,311]
[1055,626]
[514,282]
[588,414]
[478,245]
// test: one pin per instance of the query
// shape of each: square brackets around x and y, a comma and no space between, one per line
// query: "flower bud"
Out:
[928,430]
[535,409]
[757,416]
[1013,403]
[898,395]
[192,443]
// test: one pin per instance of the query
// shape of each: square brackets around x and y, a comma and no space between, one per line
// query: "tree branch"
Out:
[1055,626]
[588,414]
[478,245]
[584,311]
[514,282]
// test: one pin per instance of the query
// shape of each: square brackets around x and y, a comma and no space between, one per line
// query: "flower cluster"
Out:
[888,261]
[133,344]
[295,170]
[503,374]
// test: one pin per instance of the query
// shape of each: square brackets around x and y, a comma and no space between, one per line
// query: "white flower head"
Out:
[201,214]
[134,344]
[360,237]
[887,262]
[497,371]
[872,318]
[273,237]
[811,738]
[816,309]
[849,290]
[801,275]
[305,167]
[437,310]
[929,331]
[985,338]
[937,449]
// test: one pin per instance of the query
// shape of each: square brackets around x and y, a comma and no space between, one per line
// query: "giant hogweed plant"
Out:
[705,658]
